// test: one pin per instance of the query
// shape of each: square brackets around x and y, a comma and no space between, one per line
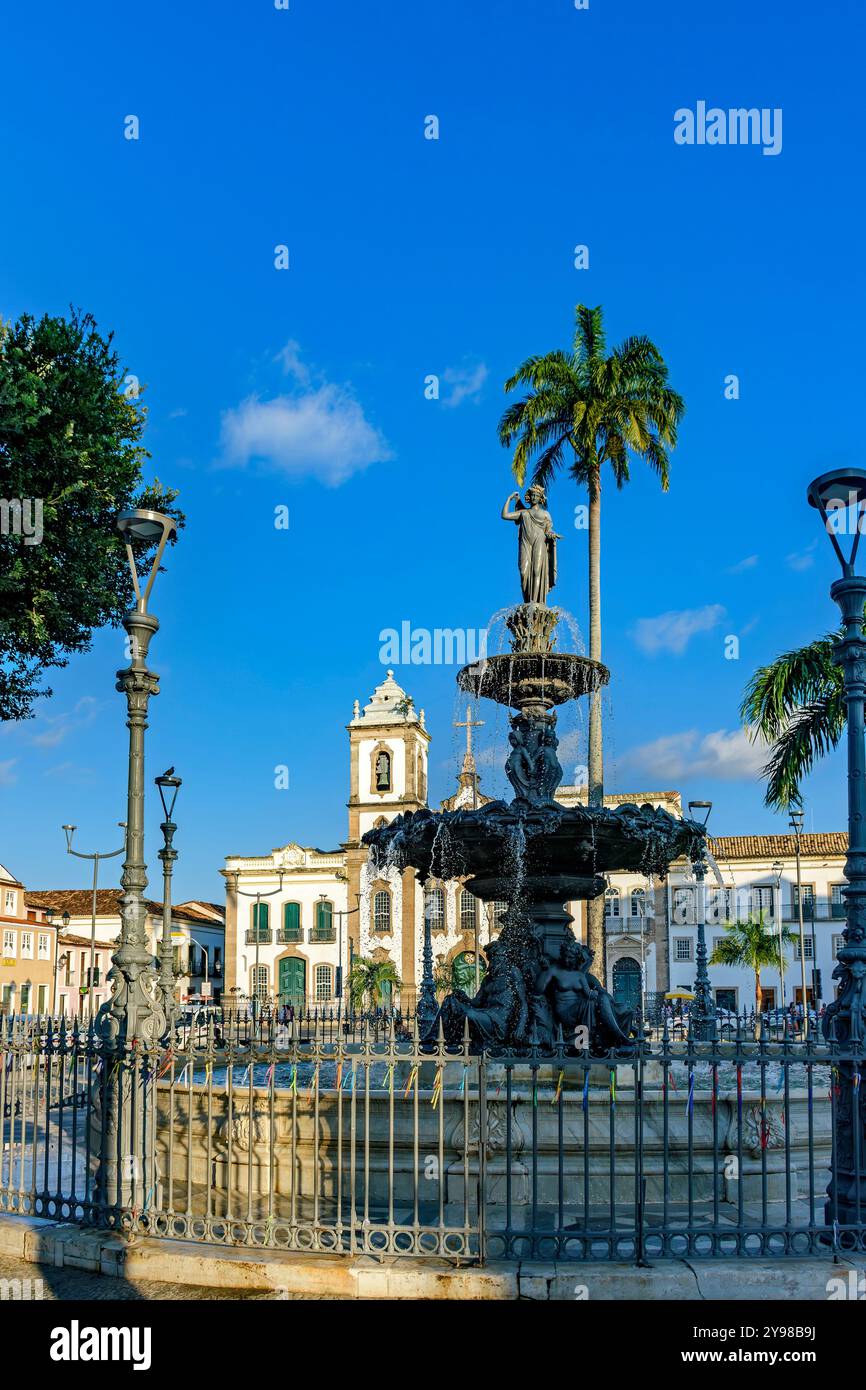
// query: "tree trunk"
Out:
[595,769]
[759,999]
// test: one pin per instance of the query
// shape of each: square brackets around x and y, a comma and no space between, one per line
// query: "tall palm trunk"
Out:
[595,769]
[759,999]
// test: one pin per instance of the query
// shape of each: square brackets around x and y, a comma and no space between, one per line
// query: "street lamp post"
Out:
[97,859]
[796,823]
[340,914]
[134,1012]
[168,787]
[134,1016]
[427,1007]
[778,868]
[258,895]
[836,496]
[704,1009]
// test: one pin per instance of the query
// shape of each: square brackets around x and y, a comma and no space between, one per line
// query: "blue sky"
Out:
[304,387]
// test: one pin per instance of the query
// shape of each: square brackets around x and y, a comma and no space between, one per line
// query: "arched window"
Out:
[324,928]
[382,911]
[611,902]
[382,771]
[434,909]
[259,981]
[638,902]
[291,921]
[323,983]
[468,911]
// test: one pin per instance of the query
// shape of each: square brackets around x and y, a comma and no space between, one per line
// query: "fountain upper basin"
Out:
[544,678]
[564,850]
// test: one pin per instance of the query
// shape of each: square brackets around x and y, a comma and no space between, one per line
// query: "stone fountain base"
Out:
[299,1151]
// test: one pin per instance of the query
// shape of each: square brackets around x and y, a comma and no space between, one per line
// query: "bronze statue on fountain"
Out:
[533,852]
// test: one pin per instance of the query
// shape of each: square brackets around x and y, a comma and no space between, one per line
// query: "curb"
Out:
[40,1241]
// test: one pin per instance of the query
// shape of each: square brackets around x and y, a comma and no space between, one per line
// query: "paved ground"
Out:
[74,1285]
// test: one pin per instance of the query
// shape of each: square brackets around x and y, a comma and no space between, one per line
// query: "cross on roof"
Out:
[468,724]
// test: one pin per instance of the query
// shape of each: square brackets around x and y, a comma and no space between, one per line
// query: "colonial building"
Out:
[29,950]
[197,929]
[753,875]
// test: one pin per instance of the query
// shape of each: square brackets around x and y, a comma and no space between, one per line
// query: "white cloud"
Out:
[742,565]
[314,432]
[7,776]
[289,358]
[672,632]
[59,726]
[802,559]
[727,755]
[464,383]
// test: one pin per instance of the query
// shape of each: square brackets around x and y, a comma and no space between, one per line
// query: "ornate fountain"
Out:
[532,852]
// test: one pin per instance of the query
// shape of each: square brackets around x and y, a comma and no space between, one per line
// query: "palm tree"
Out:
[796,704]
[586,409]
[751,944]
[368,979]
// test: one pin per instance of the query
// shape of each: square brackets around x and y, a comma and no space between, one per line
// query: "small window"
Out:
[10,901]
[382,911]
[682,948]
[611,902]
[498,910]
[808,948]
[324,920]
[43,946]
[838,943]
[434,909]
[259,981]
[9,946]
[323,983]
[261,917]
[292,921]
[639,907]
[468,911]
[27,945]
[684,907]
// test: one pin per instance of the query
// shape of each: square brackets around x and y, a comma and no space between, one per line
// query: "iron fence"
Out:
[365,1138]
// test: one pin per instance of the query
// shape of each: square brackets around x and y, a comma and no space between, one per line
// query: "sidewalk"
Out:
[286,1274]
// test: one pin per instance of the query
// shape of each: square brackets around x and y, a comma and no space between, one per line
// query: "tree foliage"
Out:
[70,441]
[796,705]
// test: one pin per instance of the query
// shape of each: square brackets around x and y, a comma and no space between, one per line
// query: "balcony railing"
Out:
[819,910]
[264,938]
[322,936]
[628,925]
[287,935]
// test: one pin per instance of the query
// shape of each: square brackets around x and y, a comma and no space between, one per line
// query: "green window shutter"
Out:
[292,916]
[260,916]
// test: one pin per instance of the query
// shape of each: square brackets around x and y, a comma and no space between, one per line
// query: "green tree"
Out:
[586,409]
[754,945]
[368,979]
[71,426]
[796,705]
